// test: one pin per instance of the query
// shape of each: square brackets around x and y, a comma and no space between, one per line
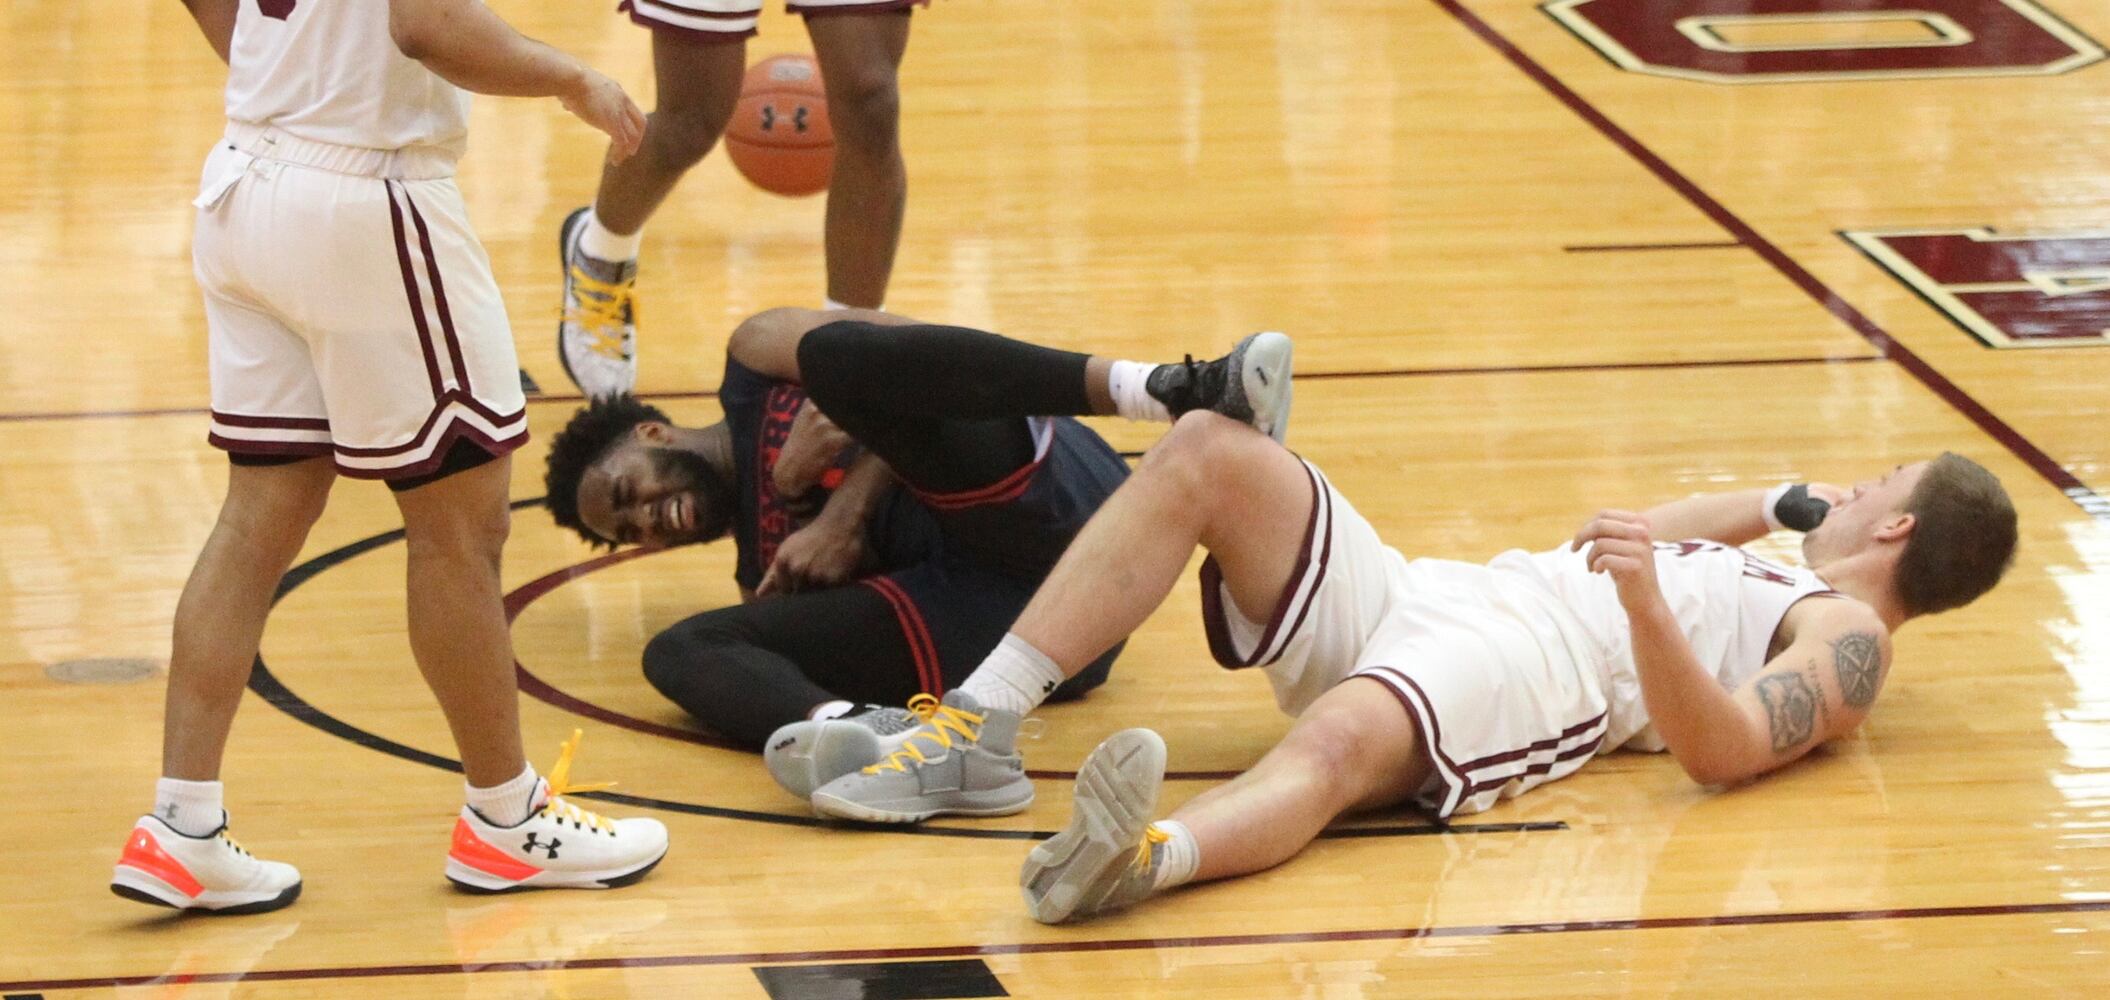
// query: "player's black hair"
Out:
[591,432]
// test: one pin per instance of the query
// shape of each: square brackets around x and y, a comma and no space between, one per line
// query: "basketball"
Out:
[779,136]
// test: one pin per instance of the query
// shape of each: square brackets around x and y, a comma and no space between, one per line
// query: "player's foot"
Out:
[211,874]
[804,756]
[1250,384]
[1106,858]
[559,846]
[961,762]
[597,335]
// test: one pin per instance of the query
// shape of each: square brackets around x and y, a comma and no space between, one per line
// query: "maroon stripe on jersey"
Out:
[410,290]
[1567,734]
[272,423]
[439,291]
[912,630]
[1216,624]
[1322,495]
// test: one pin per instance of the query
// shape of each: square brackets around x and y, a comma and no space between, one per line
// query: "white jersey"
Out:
[1728,604]
[327,71]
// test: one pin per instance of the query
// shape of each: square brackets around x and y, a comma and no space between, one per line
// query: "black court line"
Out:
[267,686]
[195,411]
[1643,247]
[2091,502]
[1077,946]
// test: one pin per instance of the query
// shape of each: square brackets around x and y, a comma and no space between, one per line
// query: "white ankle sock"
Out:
[507,804]
[1016,677]
[1124,382]
[598,242]
[192,808]
[1177,859]
[833,306]
[830,710]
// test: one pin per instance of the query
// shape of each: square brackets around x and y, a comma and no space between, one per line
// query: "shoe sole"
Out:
[832,752]
[141,887]
[841,808]
[474,882]
[565,232]
[1116,797]
[1264,373]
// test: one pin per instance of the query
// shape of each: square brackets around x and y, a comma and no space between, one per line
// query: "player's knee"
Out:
[665,659]
[864,108]
[1336,753]
[1198,441]
[680,136]
[470,536]
[769,324]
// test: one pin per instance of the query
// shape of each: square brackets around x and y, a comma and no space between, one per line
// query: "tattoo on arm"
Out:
[1791,709]
[1858,658]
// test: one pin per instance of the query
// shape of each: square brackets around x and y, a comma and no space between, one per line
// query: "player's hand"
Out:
[1620,545]
[601,103]
[1828,493]
[818,555]
[809,449]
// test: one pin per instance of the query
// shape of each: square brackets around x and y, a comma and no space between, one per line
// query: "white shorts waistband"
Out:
[411,163]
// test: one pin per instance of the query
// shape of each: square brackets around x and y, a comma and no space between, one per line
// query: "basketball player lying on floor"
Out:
[875,578]
[1447,684]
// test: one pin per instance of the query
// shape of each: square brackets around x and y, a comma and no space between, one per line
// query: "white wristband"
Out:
[1772,500]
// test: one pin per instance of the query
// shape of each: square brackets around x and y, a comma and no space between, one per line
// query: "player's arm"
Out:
[470,46]
[1739,517]
[216,19]
[767,343]
[829,550]
[1819,687]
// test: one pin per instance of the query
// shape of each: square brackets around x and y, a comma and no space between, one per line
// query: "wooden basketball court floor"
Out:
[1531,272]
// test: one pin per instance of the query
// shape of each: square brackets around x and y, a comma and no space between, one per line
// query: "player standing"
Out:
[354,327]
[699,54]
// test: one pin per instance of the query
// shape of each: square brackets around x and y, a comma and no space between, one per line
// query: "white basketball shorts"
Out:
[1502,698]
[726,20]
[349,309]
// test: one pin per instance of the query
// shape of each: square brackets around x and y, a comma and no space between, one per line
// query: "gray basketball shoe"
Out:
[597,334]
[961,762]
[1106,858]
[804,756]
[1250,384]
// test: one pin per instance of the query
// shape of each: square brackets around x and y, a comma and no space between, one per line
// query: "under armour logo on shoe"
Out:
[1047,686]
[531,846]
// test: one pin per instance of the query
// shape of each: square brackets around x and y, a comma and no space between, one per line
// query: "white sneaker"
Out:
[597,333]
[166,867]
[559,846]
[803,756]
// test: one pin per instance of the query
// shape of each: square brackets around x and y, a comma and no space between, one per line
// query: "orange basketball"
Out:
[779,136]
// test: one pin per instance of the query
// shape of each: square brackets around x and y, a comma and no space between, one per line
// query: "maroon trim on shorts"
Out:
[645,19]
[432,420]
[1216,624]
[1431,735]
[875,7]
[270,423]
[243,446]
[439,291]
[498,447]
[410,289]
[1566,734]
[915,631]
[1580,750]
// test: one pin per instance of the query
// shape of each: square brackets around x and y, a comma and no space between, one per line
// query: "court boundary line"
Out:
[755,958]
[2091,503]
[60,416]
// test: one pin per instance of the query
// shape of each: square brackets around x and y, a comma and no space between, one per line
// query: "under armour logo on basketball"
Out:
[531,846]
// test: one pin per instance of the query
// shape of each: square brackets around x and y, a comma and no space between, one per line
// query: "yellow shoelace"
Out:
[940,723]
[560,785]
[228,836]
[1151,835]
[601,309]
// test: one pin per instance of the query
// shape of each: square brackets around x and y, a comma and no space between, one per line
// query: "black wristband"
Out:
[1798,510]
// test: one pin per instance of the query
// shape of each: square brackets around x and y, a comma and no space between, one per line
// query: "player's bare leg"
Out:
[698,84]
[455,531]
[220,617]
[860,58]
